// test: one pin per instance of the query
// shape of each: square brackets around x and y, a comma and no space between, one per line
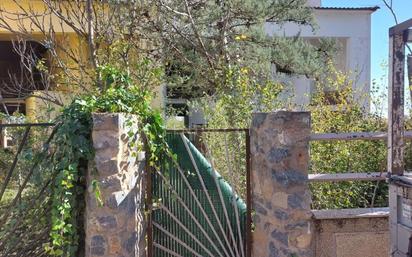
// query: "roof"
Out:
[371,8]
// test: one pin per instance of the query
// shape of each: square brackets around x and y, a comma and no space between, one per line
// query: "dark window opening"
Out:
[12,105]
[179,110]
[19,76]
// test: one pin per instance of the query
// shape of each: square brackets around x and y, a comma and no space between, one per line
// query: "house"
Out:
[19,90]
[56,35]
[351,28]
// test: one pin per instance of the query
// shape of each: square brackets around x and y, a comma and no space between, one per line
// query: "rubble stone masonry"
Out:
[115,227]
[280,193]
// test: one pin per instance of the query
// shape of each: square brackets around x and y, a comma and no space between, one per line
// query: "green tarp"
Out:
[178,232]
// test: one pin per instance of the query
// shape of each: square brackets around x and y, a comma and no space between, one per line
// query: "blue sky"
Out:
[382,20]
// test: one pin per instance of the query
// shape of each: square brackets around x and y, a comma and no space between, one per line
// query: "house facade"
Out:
[351,28]
[18,90]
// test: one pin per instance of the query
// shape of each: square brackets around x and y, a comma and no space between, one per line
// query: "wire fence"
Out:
[200,194]
[25,188]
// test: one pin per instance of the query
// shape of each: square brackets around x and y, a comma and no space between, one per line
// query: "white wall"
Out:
[355,27]
[314,2]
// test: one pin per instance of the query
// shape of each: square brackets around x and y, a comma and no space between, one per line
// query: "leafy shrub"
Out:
[232,106]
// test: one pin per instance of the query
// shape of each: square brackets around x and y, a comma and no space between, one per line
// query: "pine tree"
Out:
[202,39]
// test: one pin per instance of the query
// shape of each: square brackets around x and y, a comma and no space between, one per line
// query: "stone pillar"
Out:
[115,226]
[280,193]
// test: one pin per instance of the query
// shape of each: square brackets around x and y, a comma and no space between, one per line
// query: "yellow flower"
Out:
[241,37]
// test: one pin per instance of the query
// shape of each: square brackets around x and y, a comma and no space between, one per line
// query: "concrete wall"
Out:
[314,2]
[349,237]
[350,26]
[117,227]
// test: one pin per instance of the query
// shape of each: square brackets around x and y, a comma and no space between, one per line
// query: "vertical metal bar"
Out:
[149,201]
[14,164]
[396,105]
[248,197]
[409,73]
[1,136]
[30,173]
[393,219]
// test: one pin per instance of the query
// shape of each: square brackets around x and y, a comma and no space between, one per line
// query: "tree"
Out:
[203,39]
[197,40]
[80,37]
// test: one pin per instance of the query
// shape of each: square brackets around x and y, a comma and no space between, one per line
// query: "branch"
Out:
[173,10]
[390,8]
[198,37]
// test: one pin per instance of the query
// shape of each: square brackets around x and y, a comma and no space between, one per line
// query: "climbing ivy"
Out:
[73,148]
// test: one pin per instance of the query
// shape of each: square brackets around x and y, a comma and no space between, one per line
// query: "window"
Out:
[340,58]
[17,81]
[13,105]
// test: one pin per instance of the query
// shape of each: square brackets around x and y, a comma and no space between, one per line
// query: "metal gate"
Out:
[195,210]
[26,180]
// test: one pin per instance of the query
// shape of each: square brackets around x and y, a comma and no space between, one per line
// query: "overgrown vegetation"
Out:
[335,107]
[72,149]
[346,115]
[215,50]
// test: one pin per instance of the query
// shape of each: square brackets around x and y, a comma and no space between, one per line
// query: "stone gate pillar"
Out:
[280,193]
[115,226]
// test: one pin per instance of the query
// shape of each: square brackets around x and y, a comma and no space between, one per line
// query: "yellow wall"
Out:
[36,108]
[34,6]
[40,110]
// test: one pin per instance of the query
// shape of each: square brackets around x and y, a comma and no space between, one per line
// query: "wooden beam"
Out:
[400,28]
[396,104]
[349,136]
[340,177]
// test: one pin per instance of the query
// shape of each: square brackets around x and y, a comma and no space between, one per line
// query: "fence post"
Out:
[280,193]
[116,226]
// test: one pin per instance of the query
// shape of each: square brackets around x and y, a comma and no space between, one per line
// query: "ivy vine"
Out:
[73,148]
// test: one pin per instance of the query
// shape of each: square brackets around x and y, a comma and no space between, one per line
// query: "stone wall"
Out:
[280,193]
[115,228]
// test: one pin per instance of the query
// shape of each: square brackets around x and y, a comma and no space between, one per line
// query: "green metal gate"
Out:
[196,212]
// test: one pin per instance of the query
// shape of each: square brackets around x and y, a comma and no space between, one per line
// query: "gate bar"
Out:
[149,198]
[248,198]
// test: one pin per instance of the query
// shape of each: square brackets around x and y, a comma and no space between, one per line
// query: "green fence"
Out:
[196,213]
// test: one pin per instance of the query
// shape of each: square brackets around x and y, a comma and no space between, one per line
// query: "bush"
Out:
[233,105]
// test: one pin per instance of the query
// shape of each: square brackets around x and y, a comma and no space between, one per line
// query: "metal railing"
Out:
[25,189]
[351,176]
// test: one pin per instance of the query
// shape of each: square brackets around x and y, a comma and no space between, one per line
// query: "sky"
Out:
[382,20]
